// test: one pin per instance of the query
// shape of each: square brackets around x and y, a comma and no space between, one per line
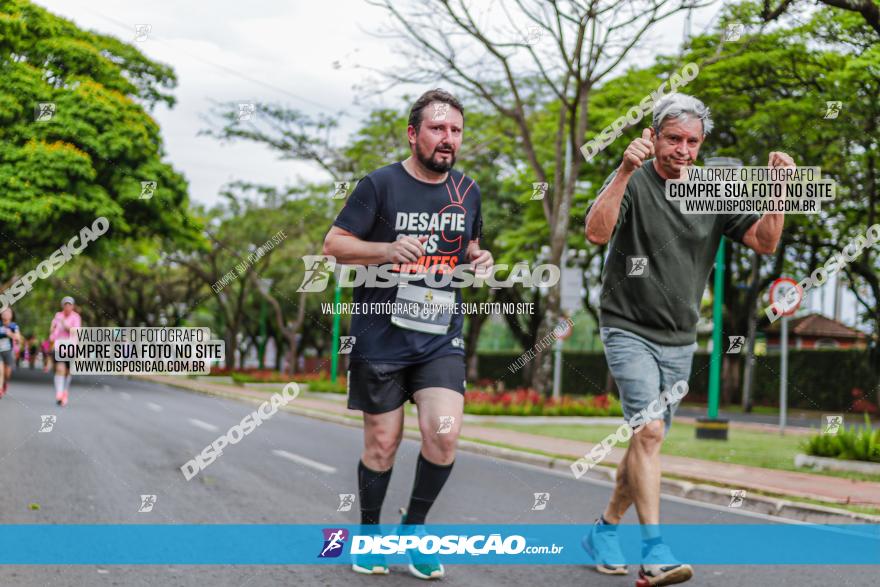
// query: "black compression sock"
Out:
[430,479]
[372,486]
[603,522]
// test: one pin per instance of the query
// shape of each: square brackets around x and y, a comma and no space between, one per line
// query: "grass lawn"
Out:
[744,447]
[765,410]
[852,418]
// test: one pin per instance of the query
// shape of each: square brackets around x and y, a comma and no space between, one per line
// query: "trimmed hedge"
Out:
[327,386]
[817,379]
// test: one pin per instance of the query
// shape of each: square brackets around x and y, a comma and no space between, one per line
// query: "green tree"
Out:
[76,138]
[768,91]
[773,97]
[131,283]
[867,11]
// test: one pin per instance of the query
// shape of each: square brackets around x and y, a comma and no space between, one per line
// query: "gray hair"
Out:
[677,105]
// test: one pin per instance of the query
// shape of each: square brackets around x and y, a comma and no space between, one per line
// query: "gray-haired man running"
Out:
[648,323]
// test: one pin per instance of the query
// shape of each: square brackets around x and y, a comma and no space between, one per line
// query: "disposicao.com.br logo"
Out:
[319,268]
[458,542]
[476,545]
[334,542]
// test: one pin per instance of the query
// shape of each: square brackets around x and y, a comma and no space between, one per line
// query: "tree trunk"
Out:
[610,385]
[730,377]
[279,353]
[229,338]
[752,296]
[749,370]
[293,351]
[542,372]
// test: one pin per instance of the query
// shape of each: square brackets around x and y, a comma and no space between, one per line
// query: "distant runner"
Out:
[46,353]
[63,322]
[33,350]
[10,335]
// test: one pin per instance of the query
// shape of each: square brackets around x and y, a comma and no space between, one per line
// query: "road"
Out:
[119,439]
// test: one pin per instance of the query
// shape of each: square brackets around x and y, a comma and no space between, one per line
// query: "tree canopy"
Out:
[77,140]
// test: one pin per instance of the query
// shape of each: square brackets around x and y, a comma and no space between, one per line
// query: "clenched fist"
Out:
[406,250]
[780,159]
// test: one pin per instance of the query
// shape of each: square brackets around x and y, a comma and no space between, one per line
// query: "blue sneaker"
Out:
[602,545]
[369,564]
[422,566]
[660,567]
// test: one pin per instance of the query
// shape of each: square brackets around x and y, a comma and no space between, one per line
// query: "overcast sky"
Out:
[242,52]
[262,50]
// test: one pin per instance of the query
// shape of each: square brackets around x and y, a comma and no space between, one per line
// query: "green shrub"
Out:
[850,444]
[265,376]
[327,386]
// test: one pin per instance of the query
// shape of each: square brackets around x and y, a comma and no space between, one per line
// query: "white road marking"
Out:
[203,425]
[155,407]
[125,395]
[304,461]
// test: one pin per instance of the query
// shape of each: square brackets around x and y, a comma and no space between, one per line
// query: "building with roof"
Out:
[815,331]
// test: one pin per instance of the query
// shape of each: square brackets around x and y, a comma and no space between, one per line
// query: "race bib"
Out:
[423,309]
[5,344]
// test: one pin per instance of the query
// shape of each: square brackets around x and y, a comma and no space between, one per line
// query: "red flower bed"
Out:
[861,403]
[528,402]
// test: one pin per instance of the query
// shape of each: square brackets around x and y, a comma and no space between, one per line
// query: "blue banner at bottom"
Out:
[257,544]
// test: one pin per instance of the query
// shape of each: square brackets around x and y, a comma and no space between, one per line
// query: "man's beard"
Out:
[436,166]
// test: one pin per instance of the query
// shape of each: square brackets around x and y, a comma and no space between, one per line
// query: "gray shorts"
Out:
[643,369]
[7,358]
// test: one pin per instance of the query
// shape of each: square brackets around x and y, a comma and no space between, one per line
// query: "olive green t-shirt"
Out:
[659,299]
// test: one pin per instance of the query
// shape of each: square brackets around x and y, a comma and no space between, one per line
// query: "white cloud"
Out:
[241,52]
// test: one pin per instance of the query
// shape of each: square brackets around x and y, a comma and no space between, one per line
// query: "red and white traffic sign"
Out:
[563,330]
[784,298]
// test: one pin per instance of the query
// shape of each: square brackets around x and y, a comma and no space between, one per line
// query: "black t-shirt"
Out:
[390,202]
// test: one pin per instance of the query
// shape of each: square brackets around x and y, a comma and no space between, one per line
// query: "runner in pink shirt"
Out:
[62,324]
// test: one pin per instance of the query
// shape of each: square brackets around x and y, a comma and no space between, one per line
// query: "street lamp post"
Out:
[334,344]
[713,427]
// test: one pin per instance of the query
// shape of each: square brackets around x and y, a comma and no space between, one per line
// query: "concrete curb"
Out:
[537,420]
[772,506]
[820,463]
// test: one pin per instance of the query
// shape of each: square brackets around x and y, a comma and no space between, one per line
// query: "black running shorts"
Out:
[376,388]
[57,362]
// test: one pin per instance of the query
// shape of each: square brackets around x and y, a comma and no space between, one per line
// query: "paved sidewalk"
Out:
[834,490]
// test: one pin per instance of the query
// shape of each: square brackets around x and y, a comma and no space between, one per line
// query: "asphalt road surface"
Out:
[119,439]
